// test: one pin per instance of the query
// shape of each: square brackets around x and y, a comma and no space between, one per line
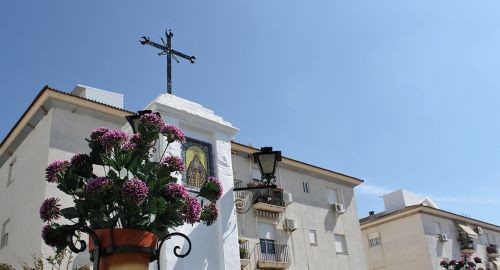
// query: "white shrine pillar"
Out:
[215,247]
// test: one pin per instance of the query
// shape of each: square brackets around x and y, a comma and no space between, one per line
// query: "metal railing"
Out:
[244,250]
[271,252]
[239,184]
[269,196]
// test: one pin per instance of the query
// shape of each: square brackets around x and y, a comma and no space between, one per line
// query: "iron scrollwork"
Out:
[98,251]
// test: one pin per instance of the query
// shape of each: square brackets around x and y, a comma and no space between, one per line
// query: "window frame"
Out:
[4,237]
[306,187]
[343,243]
[374,241]
[313,241]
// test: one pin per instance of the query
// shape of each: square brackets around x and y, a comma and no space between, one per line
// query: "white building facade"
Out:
[53,127]
[308,222]
[413,233]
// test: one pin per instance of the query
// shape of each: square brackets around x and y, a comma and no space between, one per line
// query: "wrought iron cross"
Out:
[166,48]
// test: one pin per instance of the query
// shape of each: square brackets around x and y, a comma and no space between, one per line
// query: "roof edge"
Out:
[45,93]
[366,223]
[299,164]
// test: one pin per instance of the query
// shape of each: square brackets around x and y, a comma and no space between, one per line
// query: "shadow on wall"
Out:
[205,241]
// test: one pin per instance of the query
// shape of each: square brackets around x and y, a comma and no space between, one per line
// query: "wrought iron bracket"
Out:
[98,251]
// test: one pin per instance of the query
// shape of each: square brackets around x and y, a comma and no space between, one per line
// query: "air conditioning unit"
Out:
[287,198]
[290,225]
[338,208]
[442,237]
[479,230]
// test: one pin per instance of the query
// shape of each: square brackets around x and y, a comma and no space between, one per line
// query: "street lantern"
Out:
[267,159]
[133,119]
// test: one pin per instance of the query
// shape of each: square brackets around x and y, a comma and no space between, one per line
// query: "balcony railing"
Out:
[244,250]
[271,255]
[269,196]
[239,194]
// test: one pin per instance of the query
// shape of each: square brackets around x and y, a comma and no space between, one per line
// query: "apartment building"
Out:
[413,233]
[52,127]
[308,222]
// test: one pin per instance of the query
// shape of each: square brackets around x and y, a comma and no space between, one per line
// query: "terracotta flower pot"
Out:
[120,248]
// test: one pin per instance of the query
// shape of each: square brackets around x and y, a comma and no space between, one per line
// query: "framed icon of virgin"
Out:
[197,157]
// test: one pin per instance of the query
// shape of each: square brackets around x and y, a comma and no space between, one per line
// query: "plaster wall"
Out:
[450,249]
[311,211]
[403,245]
[214,247]
[20,200]
[59,135]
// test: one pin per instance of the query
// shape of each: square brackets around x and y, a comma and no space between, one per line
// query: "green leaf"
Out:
[70,212]
[156,205]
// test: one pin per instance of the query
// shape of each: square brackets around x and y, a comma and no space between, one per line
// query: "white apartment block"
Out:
[413,233]
[53,127]
[308,223]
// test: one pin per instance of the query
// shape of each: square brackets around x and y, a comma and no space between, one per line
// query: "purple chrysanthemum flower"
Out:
[97,133]
[129,146]
[47,236]
[174,191]
[174,163]
[98,185]
[191,210]
[135,190]
[50,209]
[79,160]
[172,133]
[54,169]
[136,138]
[477,260]
[453,262]
[151,121]
[209,214]
[113,138]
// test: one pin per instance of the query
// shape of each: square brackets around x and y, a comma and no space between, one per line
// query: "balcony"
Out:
[492,251]
[244,253]
[273,256]
[466,245]
[269,200]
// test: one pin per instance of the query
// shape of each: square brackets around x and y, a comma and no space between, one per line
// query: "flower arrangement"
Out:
[135,192]
[464,263]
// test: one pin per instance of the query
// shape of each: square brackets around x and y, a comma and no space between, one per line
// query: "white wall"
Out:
[451,249]
[59,135]
[214,247]
[404,245]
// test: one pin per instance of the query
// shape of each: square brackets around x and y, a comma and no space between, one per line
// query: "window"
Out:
[5,234]
[305,186]
[267,246]
[331,195]
[10,178]
[374,239]
[340,244]
[313,239]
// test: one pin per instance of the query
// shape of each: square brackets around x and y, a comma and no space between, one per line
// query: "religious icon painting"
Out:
[197,156]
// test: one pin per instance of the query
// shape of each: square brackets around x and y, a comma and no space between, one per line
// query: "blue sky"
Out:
[402,94]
